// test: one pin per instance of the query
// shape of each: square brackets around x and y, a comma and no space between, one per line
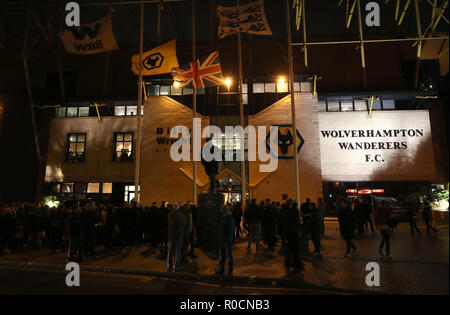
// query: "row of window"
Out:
[122,144]
[84,188]
[355,105]
[162,90]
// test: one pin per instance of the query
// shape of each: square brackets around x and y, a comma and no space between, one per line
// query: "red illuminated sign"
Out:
[365,191]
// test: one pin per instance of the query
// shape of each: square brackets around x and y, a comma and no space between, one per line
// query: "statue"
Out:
[212,168]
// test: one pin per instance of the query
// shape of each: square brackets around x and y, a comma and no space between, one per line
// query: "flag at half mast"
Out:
[200,74]
[247,18]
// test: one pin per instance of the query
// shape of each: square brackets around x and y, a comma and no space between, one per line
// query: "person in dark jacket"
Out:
[290,227]
[176,225]
[252,221]
[226,230]
[347,222]
[413,209]
[237,216]
[314,228]
[428,217]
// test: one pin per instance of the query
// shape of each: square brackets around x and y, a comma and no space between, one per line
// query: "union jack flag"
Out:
[200,74]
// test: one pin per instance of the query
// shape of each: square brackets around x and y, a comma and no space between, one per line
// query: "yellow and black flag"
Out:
[159,60]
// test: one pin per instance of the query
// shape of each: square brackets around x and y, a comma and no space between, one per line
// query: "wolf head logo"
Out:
[284,141]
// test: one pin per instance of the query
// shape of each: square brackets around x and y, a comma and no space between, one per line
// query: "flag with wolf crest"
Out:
[92,38]
[246,18]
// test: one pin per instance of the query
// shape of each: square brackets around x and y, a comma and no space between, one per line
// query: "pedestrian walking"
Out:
[347,224]
[428,217]
[413,209]
[384,221]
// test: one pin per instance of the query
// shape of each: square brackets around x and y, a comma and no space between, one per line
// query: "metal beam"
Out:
[402,16]
[366,41]
[361,37]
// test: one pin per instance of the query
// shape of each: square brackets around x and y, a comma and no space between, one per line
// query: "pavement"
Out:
[420,265]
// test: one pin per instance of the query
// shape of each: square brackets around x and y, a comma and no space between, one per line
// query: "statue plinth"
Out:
[208,218]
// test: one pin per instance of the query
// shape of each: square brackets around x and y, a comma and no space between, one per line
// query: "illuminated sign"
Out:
[365,191]
[387,145]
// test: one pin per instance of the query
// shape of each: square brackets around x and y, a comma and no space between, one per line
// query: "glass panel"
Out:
[107,188]
[360,105]
[80,147]
[67,187]
[72,111]
[119,137]
[187,91]
[83,112]
[165,90]
[128,137]
[245,99]
[388,104]
[297,86]
[60,112]
[72,147]
[282,87]
[333,106]
[258,87]
[200,91]
[175,90]
[154,90]
[81,138]
[80,188]
[244,88]
[119,111]
[127,146]
[322,106]
[93,188]
[269,88]
[72,138]
[376,105]
[131,110]
[346,106]
[130,187]
[306,86]
[119,146]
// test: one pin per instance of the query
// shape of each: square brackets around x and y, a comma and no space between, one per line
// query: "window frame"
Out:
[115,156]
[77,134]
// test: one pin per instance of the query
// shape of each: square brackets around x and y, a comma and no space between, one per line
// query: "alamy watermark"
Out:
[258,141]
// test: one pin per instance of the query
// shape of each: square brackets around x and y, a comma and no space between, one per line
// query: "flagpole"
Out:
[194,101]
[291,83]
[138,116]
[241,117]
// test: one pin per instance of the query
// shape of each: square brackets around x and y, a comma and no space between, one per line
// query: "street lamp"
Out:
[176,84]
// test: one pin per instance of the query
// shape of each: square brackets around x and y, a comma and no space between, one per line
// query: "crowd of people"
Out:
[79,228]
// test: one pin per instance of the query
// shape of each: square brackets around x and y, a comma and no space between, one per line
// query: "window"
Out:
[67,188]
[296,86]
[376,105]
[119,110]
[360,105]
[123,146]
[72,111]
[187,91]
[258,87]
[175,90]
[93,188]
[388,104]
[76,146]
[322,106]
[107,188]
[347,106]
[83,111]
[333,106]
[269,87]
[60,112]
[282,87]
[306,86]
[165,90]
[154,90]
[131,110]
